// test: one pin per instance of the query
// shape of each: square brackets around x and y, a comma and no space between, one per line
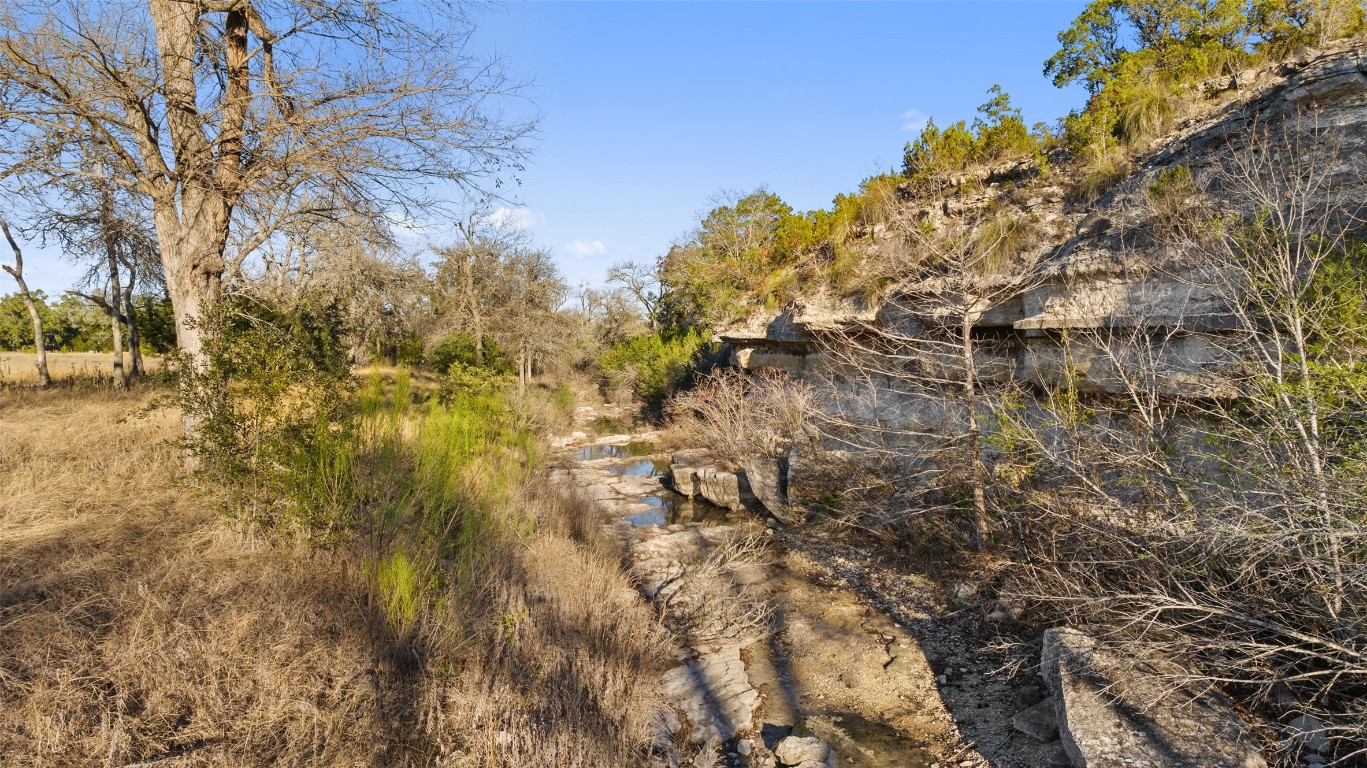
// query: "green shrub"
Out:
[461,378]
[997,132]
[460,348]
[1146,111]
[656,365]
[267,401]
[1103,173]
[399,592]
[938,151]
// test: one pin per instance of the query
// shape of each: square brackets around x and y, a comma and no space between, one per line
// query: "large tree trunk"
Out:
[192,226]
[17,272]
[192,257]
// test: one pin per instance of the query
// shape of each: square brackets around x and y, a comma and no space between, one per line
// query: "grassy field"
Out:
[139,627]
[19,367]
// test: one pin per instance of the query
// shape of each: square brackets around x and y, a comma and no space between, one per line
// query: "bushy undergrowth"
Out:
[652,367]
[460,349]
[997,133]
[738,417]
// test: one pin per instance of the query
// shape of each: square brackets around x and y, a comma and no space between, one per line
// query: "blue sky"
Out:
[648,110]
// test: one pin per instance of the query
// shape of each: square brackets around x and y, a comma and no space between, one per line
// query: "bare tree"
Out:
[924,353]
[211,109]
[16,271]
[531,289]
[641,282]
[103,226]
[1283,267]
[467,275]
[1212,509]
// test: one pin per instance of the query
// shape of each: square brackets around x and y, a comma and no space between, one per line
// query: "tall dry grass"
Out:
[65,367]
[137,628]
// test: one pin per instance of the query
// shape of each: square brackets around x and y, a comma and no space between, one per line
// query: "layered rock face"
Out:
[1107,275]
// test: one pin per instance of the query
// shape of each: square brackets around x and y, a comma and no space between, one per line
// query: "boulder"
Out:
[1309,732]
[683,470]
[804,752]
[1116,711]
[768,480]
[1338,79]
[719,487]
[1039,722]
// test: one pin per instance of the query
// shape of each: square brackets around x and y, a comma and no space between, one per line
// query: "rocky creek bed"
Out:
[782,660]
[803,648]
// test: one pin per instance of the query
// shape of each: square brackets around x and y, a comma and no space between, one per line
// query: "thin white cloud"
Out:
[912,120]
[582,248]
[516,218]
[407,227]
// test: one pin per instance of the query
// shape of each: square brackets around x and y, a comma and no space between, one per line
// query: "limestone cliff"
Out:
[1104,270]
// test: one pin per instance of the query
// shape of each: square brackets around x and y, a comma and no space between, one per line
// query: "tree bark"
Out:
[116,327]
[115,290]
[134,338]
[191,216]
[17,272]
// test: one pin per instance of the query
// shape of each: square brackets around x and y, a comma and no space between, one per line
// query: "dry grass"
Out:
[84,367]
[138,629]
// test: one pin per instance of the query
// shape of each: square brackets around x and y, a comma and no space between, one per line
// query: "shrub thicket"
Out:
[1137,58]
[997,132]
[652,367]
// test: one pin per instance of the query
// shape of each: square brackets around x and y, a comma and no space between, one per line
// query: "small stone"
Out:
[1308,731]
[800,750]
[942,679]
[744,747]
[1028,696]
[1038,722]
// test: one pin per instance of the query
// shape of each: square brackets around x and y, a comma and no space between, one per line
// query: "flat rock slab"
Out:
[1116,713]
[846,674]
[715,695]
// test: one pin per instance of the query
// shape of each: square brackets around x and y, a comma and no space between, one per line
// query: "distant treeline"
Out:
[75,324]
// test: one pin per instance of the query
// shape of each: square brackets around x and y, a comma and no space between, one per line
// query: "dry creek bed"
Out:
[784,635]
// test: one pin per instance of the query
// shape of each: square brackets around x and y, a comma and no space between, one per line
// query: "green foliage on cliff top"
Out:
[1136,57]
[998,132]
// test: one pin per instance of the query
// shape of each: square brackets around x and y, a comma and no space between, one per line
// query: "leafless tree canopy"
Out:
[246,116]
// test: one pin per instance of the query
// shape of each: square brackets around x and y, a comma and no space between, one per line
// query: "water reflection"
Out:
[641,468]
[628,451]
[669,508]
